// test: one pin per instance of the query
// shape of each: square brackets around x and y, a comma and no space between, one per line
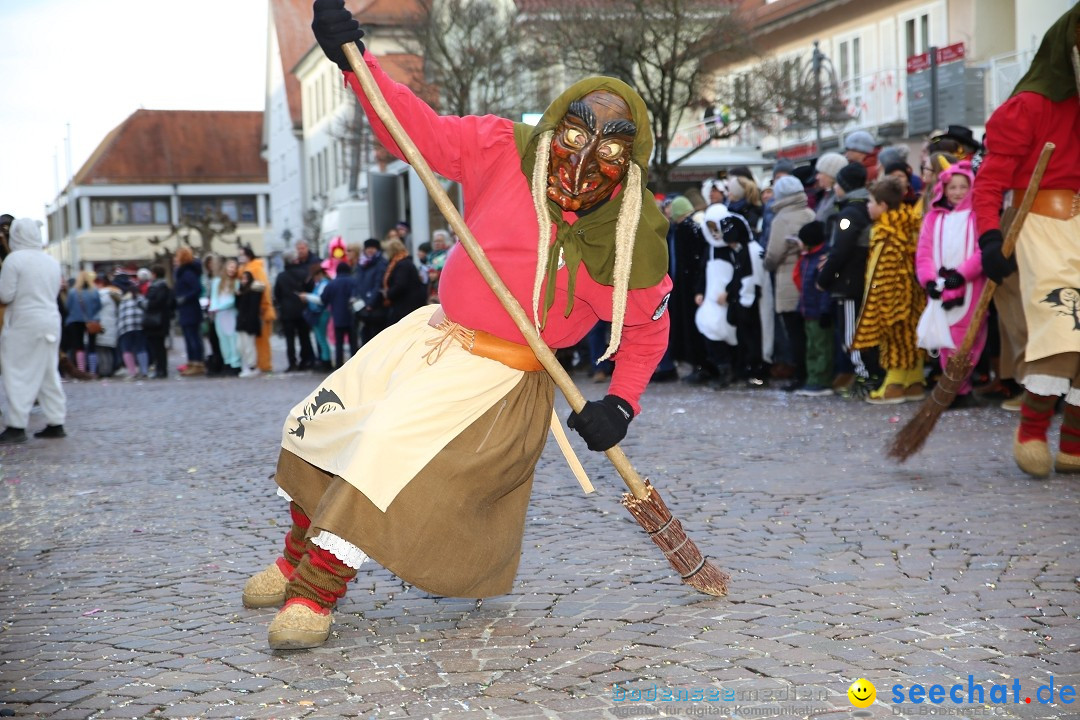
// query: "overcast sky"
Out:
[92,63]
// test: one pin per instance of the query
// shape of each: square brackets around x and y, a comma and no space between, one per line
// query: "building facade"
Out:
[877,55]
[129,201]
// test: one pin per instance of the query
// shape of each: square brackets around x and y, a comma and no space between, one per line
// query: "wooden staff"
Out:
[910,439]
[643,501]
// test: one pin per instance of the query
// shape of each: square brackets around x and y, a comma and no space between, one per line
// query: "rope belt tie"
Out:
[451,331]
[479,343]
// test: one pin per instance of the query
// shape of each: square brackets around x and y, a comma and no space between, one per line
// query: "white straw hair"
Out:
[1075,57]
[625,232]
[543,222]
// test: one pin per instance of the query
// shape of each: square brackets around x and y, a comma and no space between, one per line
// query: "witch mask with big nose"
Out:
[590,151]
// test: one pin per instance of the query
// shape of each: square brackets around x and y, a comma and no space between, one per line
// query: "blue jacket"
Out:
[369,281]
[813,301]
[337,296]
[82,305]
[187,290]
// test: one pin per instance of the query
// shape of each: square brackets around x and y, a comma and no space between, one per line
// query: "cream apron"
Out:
[1048,253]
[383,415]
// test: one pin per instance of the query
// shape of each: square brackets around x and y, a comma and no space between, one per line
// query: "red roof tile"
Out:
[179,146]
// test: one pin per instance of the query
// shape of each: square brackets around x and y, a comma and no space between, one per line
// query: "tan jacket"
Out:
[781,256]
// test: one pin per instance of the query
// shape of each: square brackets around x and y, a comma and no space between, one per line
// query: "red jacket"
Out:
[1015,135]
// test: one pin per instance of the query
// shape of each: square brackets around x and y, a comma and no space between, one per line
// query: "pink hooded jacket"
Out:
[930,239]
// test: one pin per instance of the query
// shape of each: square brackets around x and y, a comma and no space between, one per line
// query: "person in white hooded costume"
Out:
[30,282]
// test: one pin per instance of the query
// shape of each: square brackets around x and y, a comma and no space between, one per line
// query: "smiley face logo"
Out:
[862,693]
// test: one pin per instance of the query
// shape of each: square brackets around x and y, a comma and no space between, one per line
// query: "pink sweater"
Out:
[480,153]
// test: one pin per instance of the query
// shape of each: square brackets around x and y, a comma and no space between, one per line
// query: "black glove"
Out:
[825,321]
[602,423]
[996,266]
[334,26]
[932,290]
[953,279]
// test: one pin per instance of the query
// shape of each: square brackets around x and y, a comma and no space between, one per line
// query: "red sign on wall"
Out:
[947,54]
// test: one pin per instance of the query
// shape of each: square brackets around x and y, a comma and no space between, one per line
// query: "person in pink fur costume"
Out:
[949,264]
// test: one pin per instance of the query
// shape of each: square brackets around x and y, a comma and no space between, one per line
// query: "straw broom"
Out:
[643,501]
[909,440]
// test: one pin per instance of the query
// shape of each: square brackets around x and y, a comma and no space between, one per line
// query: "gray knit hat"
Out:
[860,141]
[786,186]
[830,164]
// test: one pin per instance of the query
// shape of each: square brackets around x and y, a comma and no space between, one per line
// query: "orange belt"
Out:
[482,344]
[1057,204]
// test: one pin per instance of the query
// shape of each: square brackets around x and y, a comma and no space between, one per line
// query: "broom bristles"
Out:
[913,435]
[681,552]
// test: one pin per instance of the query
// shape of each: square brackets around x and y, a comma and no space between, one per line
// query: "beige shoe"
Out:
[1033,457]
[298,627]
[1066,462]
[266,588]
[1013,404]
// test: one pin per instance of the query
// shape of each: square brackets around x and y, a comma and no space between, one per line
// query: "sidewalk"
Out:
[125,547]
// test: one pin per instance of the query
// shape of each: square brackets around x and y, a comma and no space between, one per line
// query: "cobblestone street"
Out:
[125,547]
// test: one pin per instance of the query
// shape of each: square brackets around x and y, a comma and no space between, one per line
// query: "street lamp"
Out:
[824,94]
[817,61]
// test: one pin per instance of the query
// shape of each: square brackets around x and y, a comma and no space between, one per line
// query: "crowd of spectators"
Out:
[854,274]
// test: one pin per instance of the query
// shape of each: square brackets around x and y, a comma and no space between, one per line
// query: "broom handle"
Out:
[1007,248]
[509,302]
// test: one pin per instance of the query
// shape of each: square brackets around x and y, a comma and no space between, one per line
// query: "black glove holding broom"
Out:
[335,26]
[602,423]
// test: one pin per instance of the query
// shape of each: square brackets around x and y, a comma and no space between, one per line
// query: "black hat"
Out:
[806,175]
[851,177]
[962,135]
[372,243]
[735,229]
[741,171]
[812,233]
[6,219]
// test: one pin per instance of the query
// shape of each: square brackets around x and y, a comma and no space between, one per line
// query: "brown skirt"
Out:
[455,529]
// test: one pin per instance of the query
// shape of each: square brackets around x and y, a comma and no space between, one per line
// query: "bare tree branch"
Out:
[474,52]
[658,46]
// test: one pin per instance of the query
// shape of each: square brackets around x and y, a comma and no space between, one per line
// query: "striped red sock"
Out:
[295,538]
[320,577]
[1035,414]
[1070,430]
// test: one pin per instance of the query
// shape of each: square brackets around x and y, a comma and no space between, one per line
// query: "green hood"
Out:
[1051,73]
[592,237]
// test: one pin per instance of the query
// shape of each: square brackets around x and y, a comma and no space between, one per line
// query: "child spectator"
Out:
[746,293]
[815,306]
[248,322]
[129,328]
[337,296]
[893,299]
[223,311]
[712,318]
[317,315]
[949,266]
[160,306]
[843,275]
